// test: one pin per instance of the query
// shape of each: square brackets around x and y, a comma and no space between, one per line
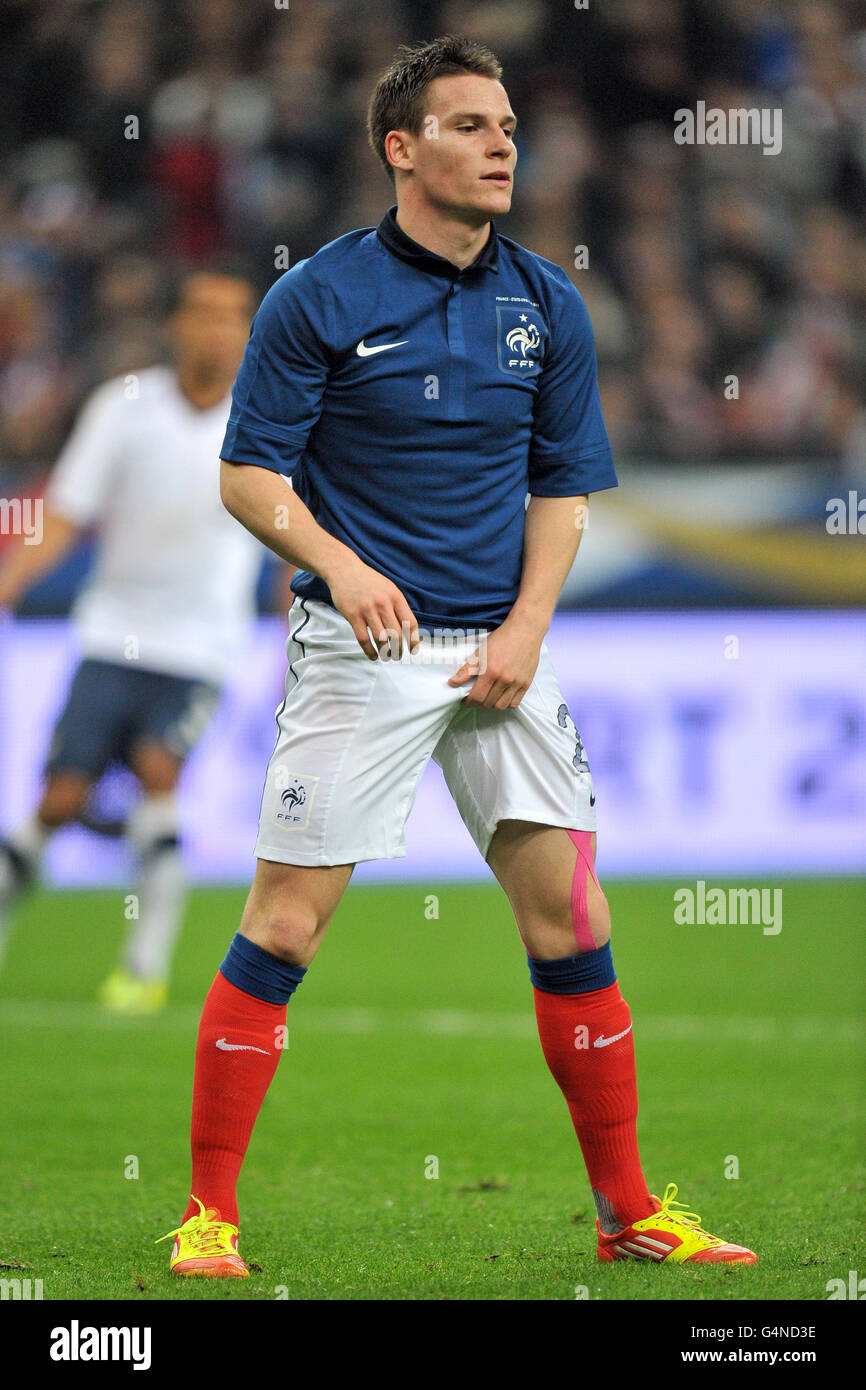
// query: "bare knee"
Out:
[291,934]
[289,907]
[557,932]
[63,798]
[557,913]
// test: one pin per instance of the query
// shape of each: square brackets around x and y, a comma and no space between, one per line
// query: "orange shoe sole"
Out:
[217,1268]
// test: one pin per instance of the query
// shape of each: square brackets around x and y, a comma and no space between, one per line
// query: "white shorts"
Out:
[354,736]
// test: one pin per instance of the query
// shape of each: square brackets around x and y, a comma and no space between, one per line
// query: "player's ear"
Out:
[398,148]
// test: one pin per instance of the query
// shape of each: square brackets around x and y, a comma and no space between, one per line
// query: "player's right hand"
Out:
[373,605]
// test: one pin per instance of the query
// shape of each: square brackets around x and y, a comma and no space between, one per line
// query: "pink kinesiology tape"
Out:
[582,839]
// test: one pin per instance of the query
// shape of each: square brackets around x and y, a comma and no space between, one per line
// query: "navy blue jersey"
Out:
[414,405]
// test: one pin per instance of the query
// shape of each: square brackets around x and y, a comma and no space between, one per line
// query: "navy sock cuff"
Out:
[255,971]
[574,974]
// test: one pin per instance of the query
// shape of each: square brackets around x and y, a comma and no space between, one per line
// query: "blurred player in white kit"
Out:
[159,620]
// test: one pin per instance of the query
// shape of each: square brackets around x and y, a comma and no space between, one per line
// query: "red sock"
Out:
[600,1085]
[229,1087]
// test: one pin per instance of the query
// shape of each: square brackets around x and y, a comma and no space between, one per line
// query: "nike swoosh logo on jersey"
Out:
[364,351]
[239,1047]
[602,1041]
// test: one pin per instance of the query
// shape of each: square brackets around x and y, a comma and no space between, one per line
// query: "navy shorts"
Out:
[112,708]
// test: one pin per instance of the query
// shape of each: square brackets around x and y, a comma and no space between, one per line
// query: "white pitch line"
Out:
[443,1023]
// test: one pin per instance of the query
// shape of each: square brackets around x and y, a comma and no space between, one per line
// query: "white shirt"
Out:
[173,584]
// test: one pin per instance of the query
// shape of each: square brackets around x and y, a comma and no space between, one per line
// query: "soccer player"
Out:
[162,615]
[416,381]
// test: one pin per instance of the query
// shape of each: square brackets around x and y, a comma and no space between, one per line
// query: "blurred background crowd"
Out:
[701,262]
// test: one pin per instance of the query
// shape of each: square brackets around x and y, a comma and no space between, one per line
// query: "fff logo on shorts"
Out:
[296,799]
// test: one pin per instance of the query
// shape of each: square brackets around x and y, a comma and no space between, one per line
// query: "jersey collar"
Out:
[403,246]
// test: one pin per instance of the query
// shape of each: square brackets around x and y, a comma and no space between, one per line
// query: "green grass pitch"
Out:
[413,1039]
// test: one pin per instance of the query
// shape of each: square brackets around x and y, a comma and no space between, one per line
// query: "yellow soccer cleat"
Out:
[676,1237]
[125,993]
[206,1246]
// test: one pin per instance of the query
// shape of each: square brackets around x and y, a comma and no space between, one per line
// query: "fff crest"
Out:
[520,339]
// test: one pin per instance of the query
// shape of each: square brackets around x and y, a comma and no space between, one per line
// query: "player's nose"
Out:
[502,150]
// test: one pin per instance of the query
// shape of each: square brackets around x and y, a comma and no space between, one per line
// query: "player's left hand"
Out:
[503,666]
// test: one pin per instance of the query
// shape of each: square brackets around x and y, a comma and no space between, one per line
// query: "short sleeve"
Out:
[570,452]
[80,485]
[277,396]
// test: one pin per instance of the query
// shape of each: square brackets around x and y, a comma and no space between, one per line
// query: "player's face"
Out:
[211,326]
[463,160]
